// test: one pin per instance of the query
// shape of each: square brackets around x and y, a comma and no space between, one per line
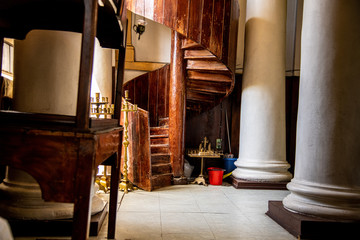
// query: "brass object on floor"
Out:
[125,184]
[103,181]
[204,151]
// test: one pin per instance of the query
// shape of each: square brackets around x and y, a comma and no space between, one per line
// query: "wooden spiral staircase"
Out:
[208,31]
[208,80]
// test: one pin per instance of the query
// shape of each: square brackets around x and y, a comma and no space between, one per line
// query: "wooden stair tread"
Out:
[212,87]
[205,90]
[160,164]
[160,158]
[195,96]
[160,127]
[161,180]
[160,168]
[204,94]
[159,136]
[163,122]
[159,145]
[159,130]
[164,174]
[199,54]
[190,44]
[159,140]
[159,154]
[203,76]
[213,66]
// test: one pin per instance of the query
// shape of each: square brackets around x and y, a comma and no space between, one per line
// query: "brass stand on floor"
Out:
[204,151]
[125,184]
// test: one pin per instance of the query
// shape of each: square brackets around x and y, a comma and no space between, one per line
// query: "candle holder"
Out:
[101,108]
[125,184]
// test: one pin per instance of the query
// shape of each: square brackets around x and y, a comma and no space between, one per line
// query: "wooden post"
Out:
[177,106]
[1,79]
[86,64]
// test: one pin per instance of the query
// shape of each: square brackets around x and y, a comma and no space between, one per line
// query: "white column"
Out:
[262,152]
[327,169]
[46,72]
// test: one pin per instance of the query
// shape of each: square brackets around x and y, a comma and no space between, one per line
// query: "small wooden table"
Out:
[64,163]
[201,179]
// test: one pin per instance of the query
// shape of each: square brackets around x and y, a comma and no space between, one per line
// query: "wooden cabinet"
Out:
[62,152]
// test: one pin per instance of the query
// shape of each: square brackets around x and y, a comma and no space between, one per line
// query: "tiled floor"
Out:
[198,212]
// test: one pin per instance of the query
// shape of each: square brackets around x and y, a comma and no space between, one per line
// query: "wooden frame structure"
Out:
[63,152]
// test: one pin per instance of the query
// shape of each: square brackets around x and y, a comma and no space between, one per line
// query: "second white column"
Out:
[262,152]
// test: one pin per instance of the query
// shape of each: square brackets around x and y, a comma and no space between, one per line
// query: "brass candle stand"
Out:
[204,151]
[103,180]
[125,184]
[101,108]
[97,109]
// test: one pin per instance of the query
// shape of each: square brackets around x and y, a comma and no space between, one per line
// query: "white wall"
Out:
[154,44]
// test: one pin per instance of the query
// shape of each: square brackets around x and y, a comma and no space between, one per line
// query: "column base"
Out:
[51,228]
[309,227]
[323,200]
[247,184]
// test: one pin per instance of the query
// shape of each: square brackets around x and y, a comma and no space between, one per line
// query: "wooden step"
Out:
[164,122]
[207,87]
[160,168]
[163,180]
[200,96]
[199,55]
[159,148]
[159,139]
[159,130]
[211,77]
[160,158]
[190,44]
[211,66]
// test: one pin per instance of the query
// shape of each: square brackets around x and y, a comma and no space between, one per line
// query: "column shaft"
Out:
[327,168]
[262,153]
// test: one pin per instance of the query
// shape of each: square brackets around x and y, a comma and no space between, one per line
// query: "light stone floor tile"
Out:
[212,212]
[138,225]
[218,208]
[180,208]
[195,212]
[184,223]
[188,236]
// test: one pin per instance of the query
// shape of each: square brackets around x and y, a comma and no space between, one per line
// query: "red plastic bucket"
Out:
[215,175]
